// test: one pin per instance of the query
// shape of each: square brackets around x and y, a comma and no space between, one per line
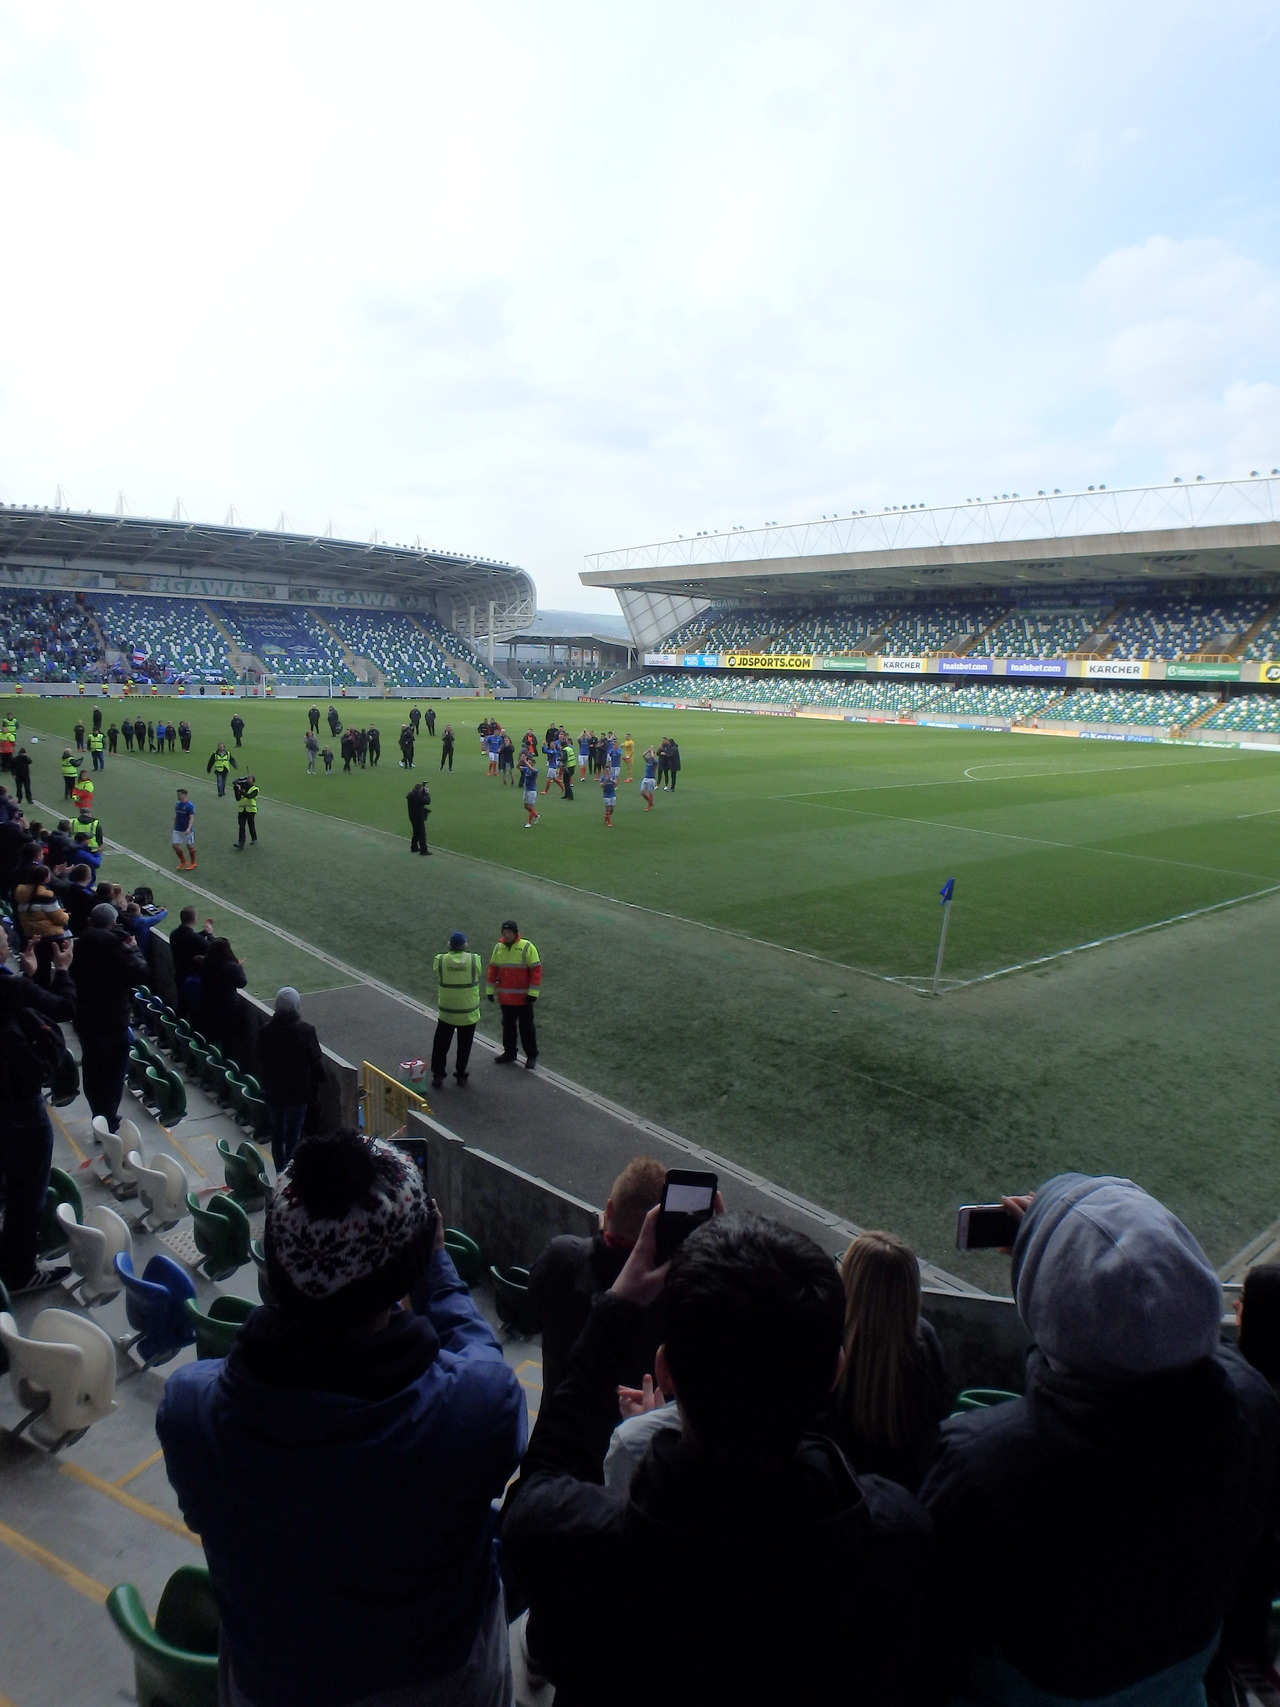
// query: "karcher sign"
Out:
[766,660]
[905,666]
[1127,669]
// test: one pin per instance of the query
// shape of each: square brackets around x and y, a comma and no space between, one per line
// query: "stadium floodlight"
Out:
[1254,473]
[1057,491]
[1199,476]
[1177,480]
[1040,493]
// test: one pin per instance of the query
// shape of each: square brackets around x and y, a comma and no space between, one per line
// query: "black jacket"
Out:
[562,1284]
[187,945]
[1093,1533]
[290,1065]
[750,1587]
[106,969]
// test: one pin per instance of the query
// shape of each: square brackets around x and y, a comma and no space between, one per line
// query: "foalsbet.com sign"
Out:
[966,666]
[1035,667]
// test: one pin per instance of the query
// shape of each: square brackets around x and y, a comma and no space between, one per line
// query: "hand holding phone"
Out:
[688,1200]
[416,1150]
[989,1226]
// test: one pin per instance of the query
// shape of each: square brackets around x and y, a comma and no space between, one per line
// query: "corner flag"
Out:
[947,890]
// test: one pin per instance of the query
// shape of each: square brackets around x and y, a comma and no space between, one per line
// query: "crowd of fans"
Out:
[743,1484]
[48,637]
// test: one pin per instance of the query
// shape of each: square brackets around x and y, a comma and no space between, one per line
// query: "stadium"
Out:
[746,978]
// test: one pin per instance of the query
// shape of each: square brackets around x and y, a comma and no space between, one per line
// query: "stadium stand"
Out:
[408,651]
[1266,642]
[285,639]
[1177,628]
[837,693]
[1254,713]
[936,628]
[996,699]
[582,678]
[1038,634]
[159,636]
[47,637]
[1161,707]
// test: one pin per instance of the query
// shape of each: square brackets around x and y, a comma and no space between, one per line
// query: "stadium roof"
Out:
[72,540]
[1227,528]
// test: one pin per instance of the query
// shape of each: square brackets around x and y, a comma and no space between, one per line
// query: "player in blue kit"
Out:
[184,835]
[529,783]
[552,750]
[609,788]
[649,781]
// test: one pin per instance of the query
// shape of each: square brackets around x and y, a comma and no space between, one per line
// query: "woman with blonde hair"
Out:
[892,1393]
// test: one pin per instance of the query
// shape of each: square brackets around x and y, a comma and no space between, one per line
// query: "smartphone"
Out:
[416,1150]
[985,1226]
[688,1198]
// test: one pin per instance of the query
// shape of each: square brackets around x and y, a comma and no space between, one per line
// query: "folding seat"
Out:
[113,1165]
[466,1256]
[157,1096]
[221,1234]
[177,1097]
[154,1303]
[259,1256]
[162,1186]
[175,1661]
[216,1332]
[511,1295]
[246,1172]
[92,1247]
[981,1399]
[64,1371]
[52,1238]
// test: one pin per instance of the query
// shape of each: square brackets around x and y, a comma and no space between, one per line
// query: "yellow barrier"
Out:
[387,1102]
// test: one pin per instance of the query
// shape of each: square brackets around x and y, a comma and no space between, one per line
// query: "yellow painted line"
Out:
[177,1146]
[140,1508]
[38,1555]
[70,1140]
[529,1363]
[139,1468]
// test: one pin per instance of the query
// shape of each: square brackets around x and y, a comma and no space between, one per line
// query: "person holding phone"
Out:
[762,1566]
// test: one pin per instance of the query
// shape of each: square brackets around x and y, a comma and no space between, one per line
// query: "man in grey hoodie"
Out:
[1098,1525]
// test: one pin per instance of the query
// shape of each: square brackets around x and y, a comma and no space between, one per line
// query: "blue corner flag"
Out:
[947,890]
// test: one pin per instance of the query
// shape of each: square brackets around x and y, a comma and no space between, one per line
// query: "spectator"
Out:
[217,1011]
[339,1465]
[572,1271]
[36,907]
[188,945]
[26,1136]
[1257,1312]
[139,923]
[107,969]
[78,897]
[760,1567]
[1139,1470]
[290,1071]
[892,1393]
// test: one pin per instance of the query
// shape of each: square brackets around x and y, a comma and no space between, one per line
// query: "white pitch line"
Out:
[954,781]
[1118,936]
[1266,814]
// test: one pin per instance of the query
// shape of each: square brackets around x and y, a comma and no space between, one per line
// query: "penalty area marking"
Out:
[1089,770]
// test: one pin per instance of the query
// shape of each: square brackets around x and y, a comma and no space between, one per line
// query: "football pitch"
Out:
[742,964]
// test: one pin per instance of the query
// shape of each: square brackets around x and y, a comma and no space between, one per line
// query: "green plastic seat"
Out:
[197,1060]
[157,1094]
[221,1234]
[982,1398]
[52,1238]
[139,1063]
[259,1256]
[175,1661]
[511,1295]
[169,1031]
[259,1116]
[216,1332]
[246,1172]
[177,1096]
[251,1084]
[466,1256]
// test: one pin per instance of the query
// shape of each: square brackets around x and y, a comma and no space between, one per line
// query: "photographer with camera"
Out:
[245,789]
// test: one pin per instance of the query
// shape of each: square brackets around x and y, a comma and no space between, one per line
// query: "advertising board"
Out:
[902,666]
[1117,669]
[1035,667]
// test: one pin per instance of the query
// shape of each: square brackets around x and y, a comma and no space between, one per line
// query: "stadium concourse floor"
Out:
[546,1124]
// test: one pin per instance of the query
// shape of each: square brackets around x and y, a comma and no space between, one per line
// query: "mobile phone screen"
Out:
[688,1198]
[416,1150]
[985,1226]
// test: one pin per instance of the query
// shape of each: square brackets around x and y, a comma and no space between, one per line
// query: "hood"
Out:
[1110,1284]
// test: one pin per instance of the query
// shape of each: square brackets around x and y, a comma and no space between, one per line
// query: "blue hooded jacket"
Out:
[350,1539]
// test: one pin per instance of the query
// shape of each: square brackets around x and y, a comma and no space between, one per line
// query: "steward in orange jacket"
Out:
[515,980]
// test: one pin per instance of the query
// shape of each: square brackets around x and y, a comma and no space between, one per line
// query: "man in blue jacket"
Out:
[339,1465]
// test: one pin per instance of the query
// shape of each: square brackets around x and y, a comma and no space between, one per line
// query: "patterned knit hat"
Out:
[348,1232]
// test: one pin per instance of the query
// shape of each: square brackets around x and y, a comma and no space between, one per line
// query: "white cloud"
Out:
[540,280]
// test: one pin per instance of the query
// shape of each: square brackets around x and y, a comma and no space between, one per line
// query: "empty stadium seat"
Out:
[511,1298]
[221,1233]
[216,1332]
[175,1660]
[466,1256]
[246,1172]
[114,1169]
[162,1186]
[155,1304]
[63,1371]
[62,1189]
[92,1247]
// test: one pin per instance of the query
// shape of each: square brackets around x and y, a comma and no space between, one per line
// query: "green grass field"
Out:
[707,963]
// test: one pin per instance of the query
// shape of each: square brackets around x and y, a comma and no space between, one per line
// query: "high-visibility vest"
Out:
[91,827]
[97,741]
[458,976]
[249,799]
[515,973]
[70,768]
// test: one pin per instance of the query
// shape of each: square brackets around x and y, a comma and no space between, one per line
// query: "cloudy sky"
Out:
[537,279]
